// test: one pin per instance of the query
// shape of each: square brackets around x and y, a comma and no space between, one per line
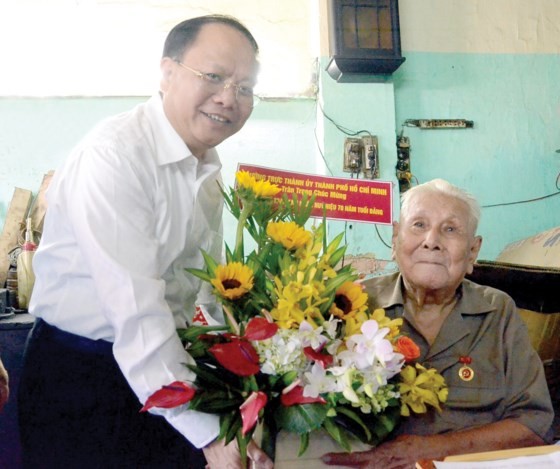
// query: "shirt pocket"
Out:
[472,397]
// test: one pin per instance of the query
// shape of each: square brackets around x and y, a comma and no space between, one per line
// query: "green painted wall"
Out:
[36,134]
[514,100]
[509,155]
[356,107]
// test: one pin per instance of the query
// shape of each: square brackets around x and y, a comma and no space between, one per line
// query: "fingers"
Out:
[259,458]
[4,386]
[220,456]
[344,459]
[4,394]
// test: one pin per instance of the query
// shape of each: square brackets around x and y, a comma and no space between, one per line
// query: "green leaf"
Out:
[242,443]
[303,443]
[333,245]
[355,418]
[302,208]
[201,274]
[336,256]
[337,434]
[289,377]
[380,425]
[191,333]
[301,418]
[333,283]
[386,423]
[215,402]
[218,378]
[211,264]
[234,428]
[226,421]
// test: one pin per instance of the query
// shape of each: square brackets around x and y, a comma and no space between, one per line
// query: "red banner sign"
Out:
[359,200]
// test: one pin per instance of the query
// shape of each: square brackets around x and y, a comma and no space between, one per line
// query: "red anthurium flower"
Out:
[260,329]
[295,396]
[324,358]
[237,356]
[170,396]
[250,410]
[209,338]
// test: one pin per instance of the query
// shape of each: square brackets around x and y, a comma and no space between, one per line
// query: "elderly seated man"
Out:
[472,334]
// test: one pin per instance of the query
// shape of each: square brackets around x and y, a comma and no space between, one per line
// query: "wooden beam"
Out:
[15,217]
[39,207]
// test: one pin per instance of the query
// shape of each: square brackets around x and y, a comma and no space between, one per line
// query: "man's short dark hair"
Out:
[184,34]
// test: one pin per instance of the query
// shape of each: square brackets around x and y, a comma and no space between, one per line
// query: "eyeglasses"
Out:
[215,83]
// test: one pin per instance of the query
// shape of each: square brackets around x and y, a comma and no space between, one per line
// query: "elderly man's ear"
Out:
[473,254]
[394,238]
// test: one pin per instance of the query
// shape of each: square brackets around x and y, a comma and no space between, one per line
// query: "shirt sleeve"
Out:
[112,210]
[528,400]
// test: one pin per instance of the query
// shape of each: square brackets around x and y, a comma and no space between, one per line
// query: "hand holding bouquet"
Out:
[299,351]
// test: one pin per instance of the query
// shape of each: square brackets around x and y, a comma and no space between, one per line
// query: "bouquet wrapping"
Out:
[299,350]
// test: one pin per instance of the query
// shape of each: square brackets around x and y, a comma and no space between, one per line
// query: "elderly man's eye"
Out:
[213,78]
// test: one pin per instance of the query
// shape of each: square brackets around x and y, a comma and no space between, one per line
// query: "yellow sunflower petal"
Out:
[288,233]
[233,280]
[260,188]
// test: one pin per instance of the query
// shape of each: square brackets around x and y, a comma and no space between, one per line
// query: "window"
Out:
[113,47]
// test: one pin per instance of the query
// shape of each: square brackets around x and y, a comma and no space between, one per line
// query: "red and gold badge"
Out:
[466,373]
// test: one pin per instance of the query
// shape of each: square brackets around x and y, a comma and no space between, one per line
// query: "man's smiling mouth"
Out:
[217,118]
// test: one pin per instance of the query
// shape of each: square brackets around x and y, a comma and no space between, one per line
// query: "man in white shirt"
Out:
[130,209]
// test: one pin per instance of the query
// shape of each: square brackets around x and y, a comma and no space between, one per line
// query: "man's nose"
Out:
[228,94]
[432,239]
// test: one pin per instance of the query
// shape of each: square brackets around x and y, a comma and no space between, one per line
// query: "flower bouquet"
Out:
[299,350]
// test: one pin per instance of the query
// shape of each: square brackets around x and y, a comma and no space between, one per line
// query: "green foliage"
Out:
[302,418]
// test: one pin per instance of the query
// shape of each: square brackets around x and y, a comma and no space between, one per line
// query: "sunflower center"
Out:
[231,283]
[343,303]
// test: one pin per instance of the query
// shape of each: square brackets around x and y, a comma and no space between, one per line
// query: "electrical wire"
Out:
[536,199]
[415,123]
[341,128]
[382,240]
[350,133]
[320,152]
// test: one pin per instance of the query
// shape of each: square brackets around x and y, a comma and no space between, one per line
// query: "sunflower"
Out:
[232,280]
[289,234]
[349,300]
[261,188]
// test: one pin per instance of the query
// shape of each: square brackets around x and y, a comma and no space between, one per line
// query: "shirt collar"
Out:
[470,301]
[170,147]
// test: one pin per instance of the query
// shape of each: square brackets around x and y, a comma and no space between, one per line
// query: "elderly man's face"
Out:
[434,245]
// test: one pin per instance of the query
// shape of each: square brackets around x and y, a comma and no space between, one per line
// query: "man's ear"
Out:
[473,253]
[167,67]
[394,238]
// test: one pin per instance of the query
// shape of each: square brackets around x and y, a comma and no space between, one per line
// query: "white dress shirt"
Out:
[127,213]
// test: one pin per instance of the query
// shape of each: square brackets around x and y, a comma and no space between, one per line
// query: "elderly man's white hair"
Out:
[441,186]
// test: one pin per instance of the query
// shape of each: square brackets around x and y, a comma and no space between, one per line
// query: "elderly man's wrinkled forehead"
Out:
[426,204]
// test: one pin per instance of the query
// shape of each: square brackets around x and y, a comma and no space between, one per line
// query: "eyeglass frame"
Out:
[215,79]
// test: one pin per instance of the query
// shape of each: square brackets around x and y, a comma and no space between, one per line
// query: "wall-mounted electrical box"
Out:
[403,171]
[362,155]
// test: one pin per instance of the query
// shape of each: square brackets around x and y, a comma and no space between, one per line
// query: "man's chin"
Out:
[430,276]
